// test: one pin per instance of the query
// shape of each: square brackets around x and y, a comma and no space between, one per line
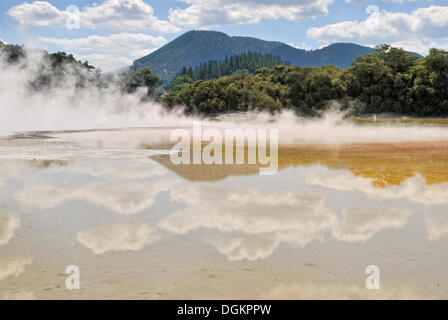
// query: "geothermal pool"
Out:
[138,227]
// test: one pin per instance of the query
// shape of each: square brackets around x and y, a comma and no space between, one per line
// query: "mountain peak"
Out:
[199,46]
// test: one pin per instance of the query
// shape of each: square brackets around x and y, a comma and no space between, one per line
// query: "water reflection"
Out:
[13,266]
[308,290]
[360,224]
[122,197]
[385,164]
[263,220]
[118,237]
[325,203]
[414,189]
[8,227]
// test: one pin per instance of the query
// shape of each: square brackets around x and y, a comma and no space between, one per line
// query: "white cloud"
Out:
[393,1]
[117,237]
[123,197]
[251,248]
[8,227]
[117,14]
[254,223]
[142,52]
[210,13]
[360,224]
[264,219]
[107,62]
[139,170]
[13,266]
[419,46]
[110,52]
[413,189]
[121,42]
[39,13]
[436,225]
[231,209]
[423,24]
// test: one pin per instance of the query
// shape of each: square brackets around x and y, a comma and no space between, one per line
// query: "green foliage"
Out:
[306,90]
[12,53]
[390,80]
[142,79]
[394,81]
[57,68]
[244,63]
[53,70]
[196,47]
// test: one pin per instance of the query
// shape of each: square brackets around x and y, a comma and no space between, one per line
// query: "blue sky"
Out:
[112,33]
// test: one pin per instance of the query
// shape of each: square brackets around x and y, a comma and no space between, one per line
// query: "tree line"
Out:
[248,62]
[390,80]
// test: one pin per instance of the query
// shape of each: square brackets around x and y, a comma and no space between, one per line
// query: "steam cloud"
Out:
[66,107]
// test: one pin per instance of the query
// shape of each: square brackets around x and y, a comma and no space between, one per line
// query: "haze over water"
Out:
[139,227]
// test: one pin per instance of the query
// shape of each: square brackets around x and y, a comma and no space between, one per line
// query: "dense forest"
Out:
[388,81]
[245,63]
[199,46]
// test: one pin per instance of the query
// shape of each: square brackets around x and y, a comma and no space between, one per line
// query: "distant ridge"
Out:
[196,47]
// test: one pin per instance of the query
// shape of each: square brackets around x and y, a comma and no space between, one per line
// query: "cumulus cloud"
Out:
[393,1]
[8,227]
[360,224]
[110,52]
[414,189]
[264,219]
[247,210]
[423,24]
[123,197]
[114,43]
[107,62]
[251,248]
[117,14]
[137,170]
[210,13]
[118,237]
[253,223]
[13,266]
[436,225]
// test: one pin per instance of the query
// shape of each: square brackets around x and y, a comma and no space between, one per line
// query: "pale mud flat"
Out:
[138,227]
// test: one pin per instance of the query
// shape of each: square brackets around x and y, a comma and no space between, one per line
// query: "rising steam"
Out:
[66,107]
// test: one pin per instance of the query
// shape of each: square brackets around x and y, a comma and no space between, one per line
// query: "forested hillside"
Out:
[197,47]
[246,63]
[391,80]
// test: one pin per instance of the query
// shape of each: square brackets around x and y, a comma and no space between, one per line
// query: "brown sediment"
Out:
[401,121]
[385,163]
[43,164]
